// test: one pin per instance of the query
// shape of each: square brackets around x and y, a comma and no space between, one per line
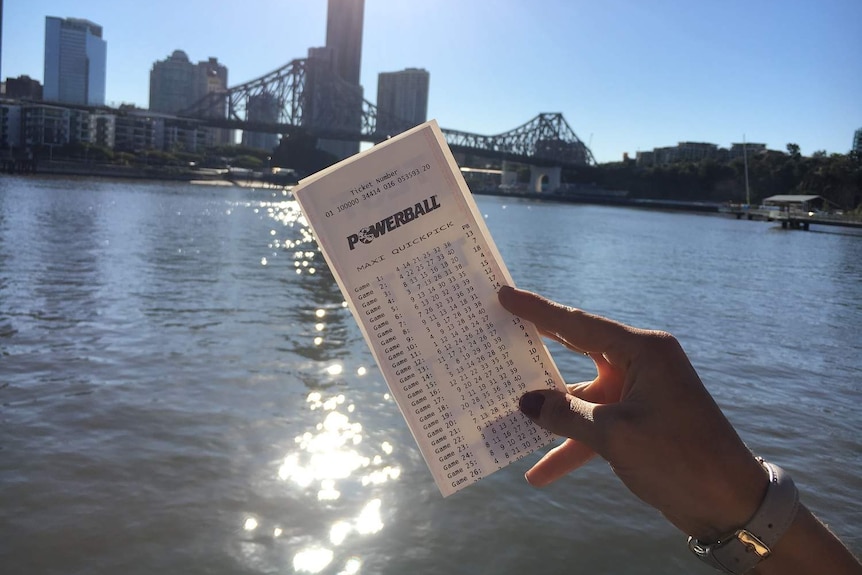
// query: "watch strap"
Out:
[741,550]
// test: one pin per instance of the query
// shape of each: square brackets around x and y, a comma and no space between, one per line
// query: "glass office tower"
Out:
[75,62]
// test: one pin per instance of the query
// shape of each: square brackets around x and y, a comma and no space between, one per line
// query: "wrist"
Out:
[730,500]
[743,547]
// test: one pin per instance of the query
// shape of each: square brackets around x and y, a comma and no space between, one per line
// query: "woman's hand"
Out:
[648,414]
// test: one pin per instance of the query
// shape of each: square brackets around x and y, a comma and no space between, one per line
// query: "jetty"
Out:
[793,211]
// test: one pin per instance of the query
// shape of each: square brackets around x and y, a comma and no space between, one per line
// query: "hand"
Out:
[648,415]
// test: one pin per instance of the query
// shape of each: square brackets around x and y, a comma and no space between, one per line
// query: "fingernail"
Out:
[531,404]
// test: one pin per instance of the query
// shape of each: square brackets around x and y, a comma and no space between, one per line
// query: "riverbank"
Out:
[86,169]
[606,200]
[211,176]
[245,178]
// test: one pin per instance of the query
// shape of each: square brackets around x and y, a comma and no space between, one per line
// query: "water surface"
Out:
[183,391]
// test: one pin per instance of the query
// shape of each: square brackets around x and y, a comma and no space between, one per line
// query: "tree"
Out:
[836,177]
[248,162]
[793,150]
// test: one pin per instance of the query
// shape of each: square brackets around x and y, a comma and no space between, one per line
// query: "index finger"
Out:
[587,332]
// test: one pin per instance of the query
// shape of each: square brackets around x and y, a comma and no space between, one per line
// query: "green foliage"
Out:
[124,158]
[248,162]
[156,158]
[82,151]
[836,177]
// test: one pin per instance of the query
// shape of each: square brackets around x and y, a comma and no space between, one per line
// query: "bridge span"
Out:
[303,96]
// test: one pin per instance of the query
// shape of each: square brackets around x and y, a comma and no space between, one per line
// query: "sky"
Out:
[628,75]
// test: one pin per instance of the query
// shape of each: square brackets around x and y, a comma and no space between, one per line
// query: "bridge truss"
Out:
[305,94]
[547,138]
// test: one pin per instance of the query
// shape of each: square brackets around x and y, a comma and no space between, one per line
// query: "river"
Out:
[182,389]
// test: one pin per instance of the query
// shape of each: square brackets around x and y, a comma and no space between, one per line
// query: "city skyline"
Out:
[627,77]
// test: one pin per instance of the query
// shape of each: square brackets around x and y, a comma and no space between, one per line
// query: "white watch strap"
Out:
[740,551]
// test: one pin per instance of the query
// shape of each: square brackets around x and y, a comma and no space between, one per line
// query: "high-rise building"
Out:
[330,106]
[1,33]
[262,108]
[176,85]
[857,141]
[333,95]
[212,77]
[318,95]
[402,100]
[172,83]
[344,36]
[75,62]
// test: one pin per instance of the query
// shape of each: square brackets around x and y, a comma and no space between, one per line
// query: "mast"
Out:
[745,161]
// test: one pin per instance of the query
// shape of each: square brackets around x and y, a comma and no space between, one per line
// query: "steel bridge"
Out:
[304,95]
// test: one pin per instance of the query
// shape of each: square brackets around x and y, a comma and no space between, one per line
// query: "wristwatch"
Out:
[741,550]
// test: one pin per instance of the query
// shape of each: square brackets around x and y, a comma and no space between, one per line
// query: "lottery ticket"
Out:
[419,270]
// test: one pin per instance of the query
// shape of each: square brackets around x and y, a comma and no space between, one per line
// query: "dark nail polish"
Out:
[531,404]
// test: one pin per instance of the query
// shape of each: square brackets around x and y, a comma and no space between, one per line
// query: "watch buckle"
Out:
[697,547]
[753,543]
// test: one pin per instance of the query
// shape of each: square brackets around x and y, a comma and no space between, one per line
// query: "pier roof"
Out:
[797,201]
[790,199]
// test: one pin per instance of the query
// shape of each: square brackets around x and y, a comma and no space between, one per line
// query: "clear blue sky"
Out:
[628,75]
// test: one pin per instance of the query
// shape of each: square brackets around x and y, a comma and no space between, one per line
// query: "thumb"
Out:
[563,414]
